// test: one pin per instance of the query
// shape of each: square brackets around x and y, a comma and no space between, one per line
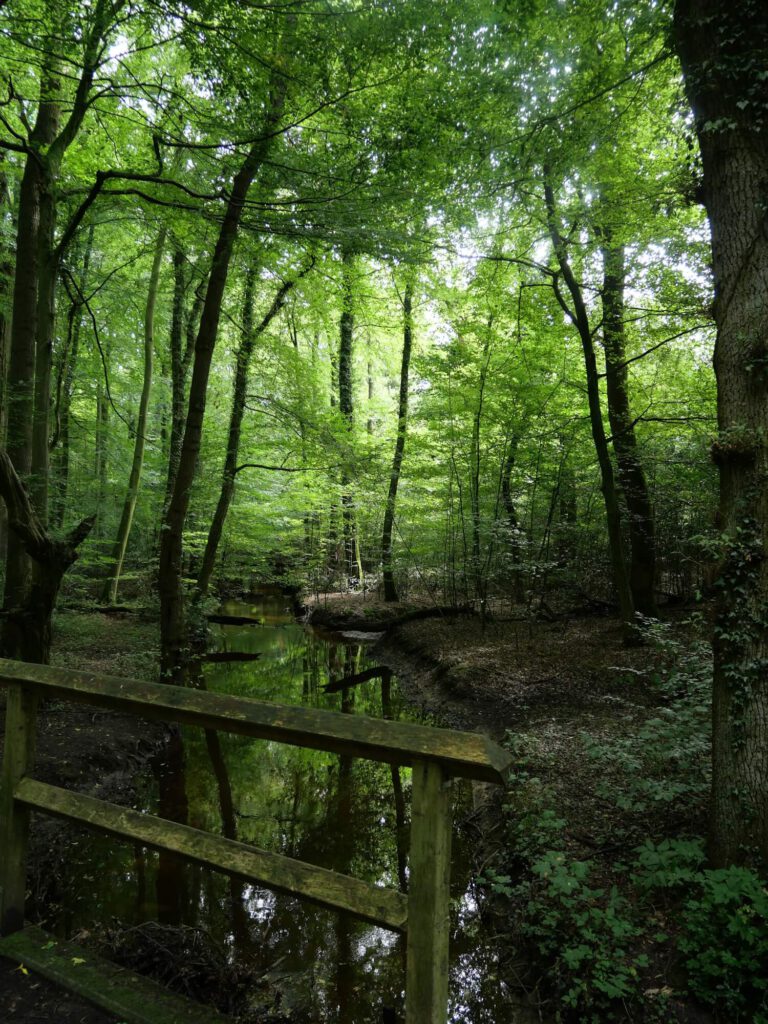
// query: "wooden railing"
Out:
[435,755]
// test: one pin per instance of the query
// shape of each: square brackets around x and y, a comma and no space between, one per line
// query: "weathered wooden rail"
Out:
[435,755]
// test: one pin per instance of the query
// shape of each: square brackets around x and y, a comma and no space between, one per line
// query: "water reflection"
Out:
[350,815]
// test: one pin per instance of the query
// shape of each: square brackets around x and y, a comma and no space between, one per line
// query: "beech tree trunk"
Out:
[182,347]
[478,574]
[390,589]
[101,446]
[109,594]
[59,443]
[642,533]
[580,319]
[236,419]
[172,627]
[37,263]
[20,391]
[723,48]
[6,285]
[354,568]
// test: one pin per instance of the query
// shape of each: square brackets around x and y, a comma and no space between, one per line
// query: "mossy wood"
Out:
[426,994]
[468,755]
[20,723]
[132,998]
[329,888]
[435,754]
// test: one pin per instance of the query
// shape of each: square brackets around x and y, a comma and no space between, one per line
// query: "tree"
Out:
[109,595]
[722,49]
[390,589]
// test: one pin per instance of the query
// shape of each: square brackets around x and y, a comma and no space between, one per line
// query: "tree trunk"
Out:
[48,273]
[513,522]
[722,48]
[171,540]
[101,446]
[34,288]
[26,634]
[64,389]
[580,319]
[109,594]
[347,408]
[35,183]
[236,419]
[642,533]
[6,285]
[478,575]
[182,347]
[390,590]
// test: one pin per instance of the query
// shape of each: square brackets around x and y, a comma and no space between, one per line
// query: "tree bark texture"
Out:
[390,588]
[724,53]
[59,443]
[34,288]
[6,286]
[182,347]
[475,463]
[513,521]
[631,476]
[35,183]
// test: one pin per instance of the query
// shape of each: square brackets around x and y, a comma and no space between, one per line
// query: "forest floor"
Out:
[567,696]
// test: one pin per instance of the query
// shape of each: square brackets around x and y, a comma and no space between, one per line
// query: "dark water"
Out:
[343,813]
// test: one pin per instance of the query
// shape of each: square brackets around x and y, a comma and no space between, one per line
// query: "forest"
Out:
[405,359]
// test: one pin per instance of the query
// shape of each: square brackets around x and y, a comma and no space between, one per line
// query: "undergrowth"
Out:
[630,936]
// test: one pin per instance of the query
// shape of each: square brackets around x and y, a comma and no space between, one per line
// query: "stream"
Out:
[347,814]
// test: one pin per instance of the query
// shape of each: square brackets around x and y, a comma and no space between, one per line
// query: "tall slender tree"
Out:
[388,572]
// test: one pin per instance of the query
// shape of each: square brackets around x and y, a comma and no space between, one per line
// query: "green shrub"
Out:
[725,943]
[586,932]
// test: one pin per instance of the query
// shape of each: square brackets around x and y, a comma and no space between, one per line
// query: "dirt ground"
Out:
[28,999]
[89,750]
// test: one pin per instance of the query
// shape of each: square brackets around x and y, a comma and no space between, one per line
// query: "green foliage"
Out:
[725,943]
[722,932]
[665,761]
[668,864]
[587,933]
[596,924]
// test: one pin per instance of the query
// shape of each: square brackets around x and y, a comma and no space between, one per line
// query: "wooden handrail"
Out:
[373,903]
[436,755]
[462,754]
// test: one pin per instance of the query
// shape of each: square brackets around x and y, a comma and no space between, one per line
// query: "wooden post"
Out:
[426,987]
[20,721]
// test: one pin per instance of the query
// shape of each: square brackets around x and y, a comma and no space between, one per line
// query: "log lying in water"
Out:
[378,672]
[333,620]
[235,620]
[221,657]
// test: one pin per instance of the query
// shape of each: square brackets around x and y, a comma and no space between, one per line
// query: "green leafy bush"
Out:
[666,759]
[725,943]
[586,931]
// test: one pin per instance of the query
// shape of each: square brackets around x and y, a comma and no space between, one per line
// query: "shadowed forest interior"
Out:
[406,359]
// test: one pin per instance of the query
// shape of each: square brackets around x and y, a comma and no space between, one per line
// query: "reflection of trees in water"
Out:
[310,806]
[171,879]
[401,832]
